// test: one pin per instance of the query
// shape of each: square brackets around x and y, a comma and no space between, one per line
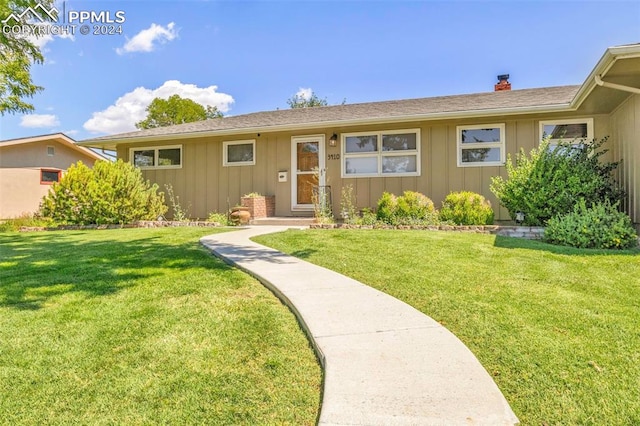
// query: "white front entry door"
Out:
[308,170]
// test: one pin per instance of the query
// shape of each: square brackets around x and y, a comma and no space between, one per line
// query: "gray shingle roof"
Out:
[350,113]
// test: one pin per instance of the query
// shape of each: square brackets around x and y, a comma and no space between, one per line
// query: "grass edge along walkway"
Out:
[557,328]
[144,326]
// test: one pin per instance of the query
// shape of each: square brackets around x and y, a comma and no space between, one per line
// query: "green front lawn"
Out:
[141,326]
[557,328]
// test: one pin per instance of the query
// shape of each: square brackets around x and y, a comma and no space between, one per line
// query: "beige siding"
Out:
[204,185]
[625,132]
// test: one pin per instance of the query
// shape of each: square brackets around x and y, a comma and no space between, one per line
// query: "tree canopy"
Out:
[300,101]
[176,110]
[17,54]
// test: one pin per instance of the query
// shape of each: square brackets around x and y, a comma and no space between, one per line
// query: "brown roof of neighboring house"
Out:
[57,137]
[409,109]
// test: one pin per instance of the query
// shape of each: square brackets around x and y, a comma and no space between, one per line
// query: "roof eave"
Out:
[606,62]
[112,143]
[60,138]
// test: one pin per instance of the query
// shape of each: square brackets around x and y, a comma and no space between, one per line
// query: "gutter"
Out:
[630,89]
[603,66]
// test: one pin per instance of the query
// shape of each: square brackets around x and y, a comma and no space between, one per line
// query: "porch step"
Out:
[284,221]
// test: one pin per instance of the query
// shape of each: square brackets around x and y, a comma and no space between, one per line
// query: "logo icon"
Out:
[39,12]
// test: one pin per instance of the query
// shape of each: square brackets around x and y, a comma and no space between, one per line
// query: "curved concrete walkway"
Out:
[384,362]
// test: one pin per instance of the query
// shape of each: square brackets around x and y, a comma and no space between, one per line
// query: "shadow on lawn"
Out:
[36,267]
[521,243]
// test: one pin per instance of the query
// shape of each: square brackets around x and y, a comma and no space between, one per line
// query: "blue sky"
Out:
[252,56]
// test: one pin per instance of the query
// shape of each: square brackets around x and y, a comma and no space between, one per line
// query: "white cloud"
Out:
[304,93]
[145,39]
[39,120]
[130,107]
[48,34]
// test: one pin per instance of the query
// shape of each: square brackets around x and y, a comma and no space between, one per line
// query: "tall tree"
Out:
[176,110]
[300,101]
[17,54]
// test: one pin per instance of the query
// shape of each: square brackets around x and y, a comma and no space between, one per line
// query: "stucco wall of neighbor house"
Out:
[625,126]
[20,188]
[204,185]
[20,191]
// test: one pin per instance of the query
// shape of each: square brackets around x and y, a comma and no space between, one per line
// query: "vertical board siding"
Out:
[625,130]
[204,185]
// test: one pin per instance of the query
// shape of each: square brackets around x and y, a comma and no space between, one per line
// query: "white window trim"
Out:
[500,144]
[379,154]
[554,142]
[155,156]
[225,153]
[51,151]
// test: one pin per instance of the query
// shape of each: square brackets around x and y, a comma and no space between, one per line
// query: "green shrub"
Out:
[548,182]
[600,226]
[466,208]
[368,217]
[29,220]
[387,205]
[110,193]
[221,218]
[408,209]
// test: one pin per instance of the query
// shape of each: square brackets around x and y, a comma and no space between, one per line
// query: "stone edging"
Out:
[528,232]
[138,224]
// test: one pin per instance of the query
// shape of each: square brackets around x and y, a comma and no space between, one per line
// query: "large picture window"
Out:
[481,145]
[165,157]
[573,130]
[386,153]
[239,153]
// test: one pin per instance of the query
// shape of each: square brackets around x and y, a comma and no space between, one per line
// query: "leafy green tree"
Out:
[17,54]
[110,193]
[299,101]
[176,110]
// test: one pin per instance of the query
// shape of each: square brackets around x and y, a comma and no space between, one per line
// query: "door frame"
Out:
[295,140]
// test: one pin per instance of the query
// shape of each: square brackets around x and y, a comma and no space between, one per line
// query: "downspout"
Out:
[599,82]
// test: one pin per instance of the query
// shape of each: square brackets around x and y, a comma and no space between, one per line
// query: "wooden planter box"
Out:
[260,207]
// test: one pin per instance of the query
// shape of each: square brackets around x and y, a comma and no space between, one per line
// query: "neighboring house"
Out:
[29,166]
[432,145]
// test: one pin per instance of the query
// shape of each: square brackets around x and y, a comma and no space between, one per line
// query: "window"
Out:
[481,145]
[386,153]
[574,131]
[51,151]
[239,153]
[165,157]
[47,177]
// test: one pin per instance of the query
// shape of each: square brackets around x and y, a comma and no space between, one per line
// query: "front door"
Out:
[308,170]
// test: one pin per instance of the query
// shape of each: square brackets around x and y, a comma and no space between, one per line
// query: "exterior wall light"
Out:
[333,140]
[519,217]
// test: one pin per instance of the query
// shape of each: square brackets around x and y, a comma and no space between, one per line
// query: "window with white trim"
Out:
[575,131]
[161,157]
[385,153]
[481,145]
[239,153]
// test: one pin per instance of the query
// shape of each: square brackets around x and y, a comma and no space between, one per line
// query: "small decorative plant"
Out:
[466,208]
